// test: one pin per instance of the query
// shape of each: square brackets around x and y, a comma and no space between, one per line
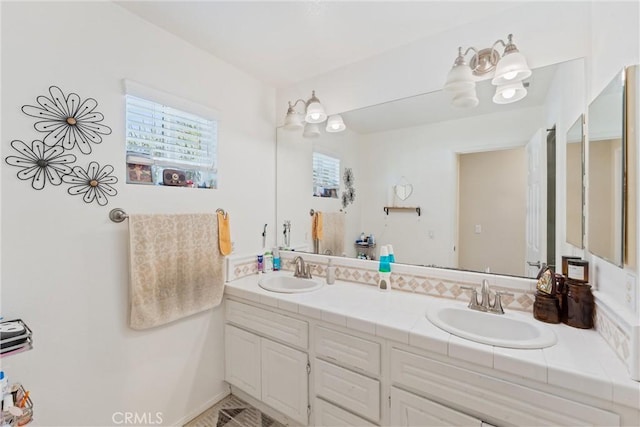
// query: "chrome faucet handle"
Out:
[497,302]
[473,302]
[307,271]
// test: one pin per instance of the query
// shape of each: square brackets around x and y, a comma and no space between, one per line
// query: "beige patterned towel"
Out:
[333,239]
[175,267]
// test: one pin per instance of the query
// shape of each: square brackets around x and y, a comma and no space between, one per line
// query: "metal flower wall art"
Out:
[349,193]
[68,122]
[94,183]
[40,164]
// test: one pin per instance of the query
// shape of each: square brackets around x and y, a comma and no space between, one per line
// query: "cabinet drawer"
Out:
[498,399]
[407,409]
[268,323]
[327,414]
[352,391]
[346,349]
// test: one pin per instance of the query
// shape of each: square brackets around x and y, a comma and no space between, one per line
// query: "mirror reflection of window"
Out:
[326,175]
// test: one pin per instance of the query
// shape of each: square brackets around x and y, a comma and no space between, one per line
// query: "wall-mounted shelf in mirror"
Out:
[398,208]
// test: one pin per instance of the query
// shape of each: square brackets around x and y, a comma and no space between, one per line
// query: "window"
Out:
[326,175]
[168,146]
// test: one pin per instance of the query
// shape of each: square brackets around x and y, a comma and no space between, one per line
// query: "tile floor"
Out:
[233,412]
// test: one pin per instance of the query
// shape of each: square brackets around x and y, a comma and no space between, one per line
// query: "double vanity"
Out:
[348,354]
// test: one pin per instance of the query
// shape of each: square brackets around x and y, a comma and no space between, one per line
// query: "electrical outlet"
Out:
[630,292]
[478,228]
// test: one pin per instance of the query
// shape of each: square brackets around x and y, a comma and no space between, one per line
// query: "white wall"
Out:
[65,264]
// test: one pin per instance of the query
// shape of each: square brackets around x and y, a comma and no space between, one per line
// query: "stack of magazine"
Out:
[15,337]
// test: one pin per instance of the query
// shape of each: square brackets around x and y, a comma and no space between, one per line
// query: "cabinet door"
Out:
[285,380]
[407,409]
[242,360]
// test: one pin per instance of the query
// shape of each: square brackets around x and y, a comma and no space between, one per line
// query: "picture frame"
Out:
[139,174]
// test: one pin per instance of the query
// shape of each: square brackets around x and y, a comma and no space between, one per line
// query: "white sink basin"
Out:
[289,284]
[511,330]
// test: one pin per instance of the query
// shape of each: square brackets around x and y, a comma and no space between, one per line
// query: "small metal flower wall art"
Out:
[68,120]
[94,183]
[349,194]
[40,163]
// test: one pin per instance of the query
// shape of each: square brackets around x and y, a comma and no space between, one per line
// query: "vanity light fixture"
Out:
[509,70]
[313,115]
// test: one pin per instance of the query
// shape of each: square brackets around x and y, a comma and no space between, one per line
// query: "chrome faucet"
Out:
[302,271]
[485,296]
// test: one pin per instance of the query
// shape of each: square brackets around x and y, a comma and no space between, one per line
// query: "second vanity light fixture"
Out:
[510,70]
[314,115]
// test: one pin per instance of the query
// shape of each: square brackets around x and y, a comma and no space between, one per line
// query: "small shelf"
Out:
[398,208]
[15,338]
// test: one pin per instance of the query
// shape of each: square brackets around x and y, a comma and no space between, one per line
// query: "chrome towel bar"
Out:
[119,215]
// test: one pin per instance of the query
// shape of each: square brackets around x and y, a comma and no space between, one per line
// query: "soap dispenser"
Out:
[331,273]
[384,270]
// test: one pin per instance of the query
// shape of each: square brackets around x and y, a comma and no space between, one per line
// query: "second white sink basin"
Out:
[288,284]
[511,330]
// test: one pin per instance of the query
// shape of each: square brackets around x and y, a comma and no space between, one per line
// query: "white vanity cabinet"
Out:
[346,374]
[313,372]
[408,409]
[499,401]
[269,371]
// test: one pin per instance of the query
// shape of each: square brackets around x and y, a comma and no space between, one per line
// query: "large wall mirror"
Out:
[606,211]
[575,187]
[478,177]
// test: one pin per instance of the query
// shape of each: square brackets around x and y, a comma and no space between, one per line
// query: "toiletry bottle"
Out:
[268,262]
[260,263]
[276,259]
[331,273]
[384,270]
[392,258]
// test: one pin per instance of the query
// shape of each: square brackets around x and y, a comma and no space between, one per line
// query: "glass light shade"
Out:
[315,113]
[311,130]
[509,93]
[459,79]
[465,99]
[293,121]
[511,68]
[335,124]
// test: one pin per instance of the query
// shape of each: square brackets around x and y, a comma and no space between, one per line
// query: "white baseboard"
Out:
[208,404]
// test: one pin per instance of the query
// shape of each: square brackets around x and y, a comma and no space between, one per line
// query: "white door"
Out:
[242,360]
[536,204]
[407,409]
[285,380]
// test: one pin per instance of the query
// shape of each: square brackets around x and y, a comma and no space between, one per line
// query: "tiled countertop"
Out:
[581,360]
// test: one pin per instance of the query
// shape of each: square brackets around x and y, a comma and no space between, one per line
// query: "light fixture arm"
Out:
[509,46]
[292,107]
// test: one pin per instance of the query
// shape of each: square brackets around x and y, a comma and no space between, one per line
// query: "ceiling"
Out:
[284,42]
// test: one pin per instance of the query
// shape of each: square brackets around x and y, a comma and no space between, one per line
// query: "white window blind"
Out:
[326,174]
[171,137]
